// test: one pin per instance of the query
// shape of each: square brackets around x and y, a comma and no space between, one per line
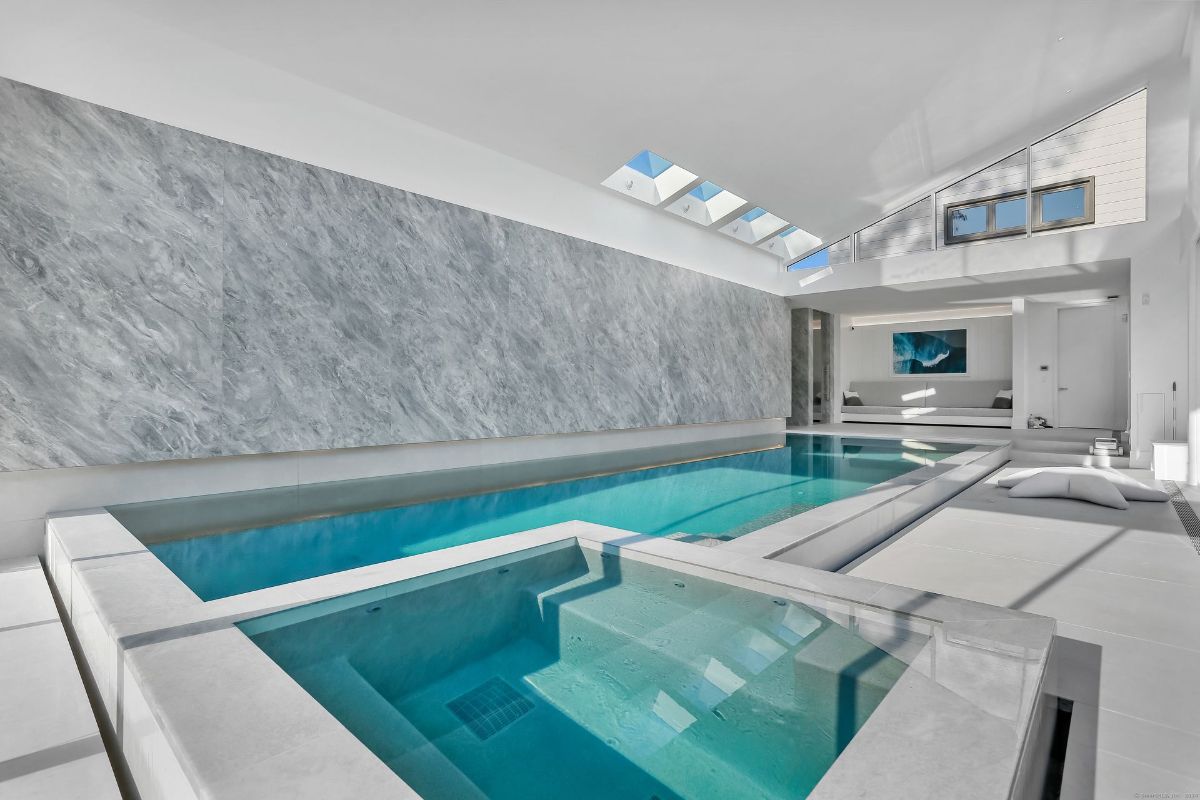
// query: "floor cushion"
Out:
[1129,488]
[1088,488]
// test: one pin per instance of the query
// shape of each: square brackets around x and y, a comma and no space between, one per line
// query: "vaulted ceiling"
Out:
[826,113]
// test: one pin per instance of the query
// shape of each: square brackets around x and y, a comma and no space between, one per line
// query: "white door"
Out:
[1089,350]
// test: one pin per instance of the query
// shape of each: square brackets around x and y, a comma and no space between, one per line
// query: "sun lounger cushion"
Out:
[1091,488]
[1129,488]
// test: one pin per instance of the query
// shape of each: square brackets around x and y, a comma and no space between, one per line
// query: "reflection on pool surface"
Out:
[576,674]
[714,498]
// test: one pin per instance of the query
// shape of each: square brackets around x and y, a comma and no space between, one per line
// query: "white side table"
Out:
[1170,461]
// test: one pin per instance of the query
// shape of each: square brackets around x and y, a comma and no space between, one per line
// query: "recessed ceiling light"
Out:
[1061,38]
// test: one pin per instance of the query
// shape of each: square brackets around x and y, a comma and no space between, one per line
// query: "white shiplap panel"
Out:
[906,231]
[839,252]
[1109,146]
[1111,135]
[994,183]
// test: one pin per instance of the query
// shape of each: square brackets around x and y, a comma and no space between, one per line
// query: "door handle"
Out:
[1063,388]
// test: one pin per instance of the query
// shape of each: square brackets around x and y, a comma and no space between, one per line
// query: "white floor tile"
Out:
[1146,679]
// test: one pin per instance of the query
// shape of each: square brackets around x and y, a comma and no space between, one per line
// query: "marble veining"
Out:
[802,377]
[169,295]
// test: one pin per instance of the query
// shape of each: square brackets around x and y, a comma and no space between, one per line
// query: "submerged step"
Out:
[378,724]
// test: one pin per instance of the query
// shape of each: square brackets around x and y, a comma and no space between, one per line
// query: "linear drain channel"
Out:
[1187,514]
[490,707]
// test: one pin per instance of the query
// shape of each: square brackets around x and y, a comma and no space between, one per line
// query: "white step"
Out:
[50,745]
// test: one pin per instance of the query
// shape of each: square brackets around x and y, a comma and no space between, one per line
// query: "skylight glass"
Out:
[791,242]
[649,164]
[817,259]
[706,191]
[650,178]
[660,182]
[754,225]
[707,204]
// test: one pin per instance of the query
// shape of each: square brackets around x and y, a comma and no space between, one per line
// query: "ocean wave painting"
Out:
[930,352]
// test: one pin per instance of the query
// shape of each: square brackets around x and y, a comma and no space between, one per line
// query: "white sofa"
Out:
[929,402]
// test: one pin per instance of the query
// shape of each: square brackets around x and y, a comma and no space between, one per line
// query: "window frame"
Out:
[1033,212]
[991,232]
[1089,205]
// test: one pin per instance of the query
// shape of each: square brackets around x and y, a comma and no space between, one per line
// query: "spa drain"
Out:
[490,707]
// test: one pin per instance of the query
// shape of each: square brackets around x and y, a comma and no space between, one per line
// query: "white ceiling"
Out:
[1077,282]
[826,113]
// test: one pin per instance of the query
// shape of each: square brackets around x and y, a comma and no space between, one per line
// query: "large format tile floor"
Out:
[1124,587]
[50,746]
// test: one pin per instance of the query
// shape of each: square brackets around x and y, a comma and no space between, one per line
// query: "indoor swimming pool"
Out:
[703,500]
[581,673]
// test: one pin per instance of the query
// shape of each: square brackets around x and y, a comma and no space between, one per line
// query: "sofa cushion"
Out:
[964,393]
[934,413]
[903,393]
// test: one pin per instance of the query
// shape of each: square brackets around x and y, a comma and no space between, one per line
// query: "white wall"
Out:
[1160,265]
[101,53]
[1039,388]
[866,351]
[1109,146]
[1189,240]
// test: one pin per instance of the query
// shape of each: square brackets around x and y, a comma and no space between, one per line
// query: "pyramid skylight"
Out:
[653,179]
[707,204]
[754,226]
[650,178]
[791,242]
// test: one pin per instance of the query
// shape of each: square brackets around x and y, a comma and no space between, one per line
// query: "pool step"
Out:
[378,724]
[750,660]
[740,634]
[645,728]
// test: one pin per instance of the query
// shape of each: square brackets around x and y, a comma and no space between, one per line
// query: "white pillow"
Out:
[1129,488]
[1006,393]
[1089,488]
[847,395]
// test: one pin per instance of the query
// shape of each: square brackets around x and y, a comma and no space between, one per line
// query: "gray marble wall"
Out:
[167,295]
[801,367]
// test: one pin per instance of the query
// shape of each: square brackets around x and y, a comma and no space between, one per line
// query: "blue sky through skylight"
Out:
[753,214]
[790,229]
[649,164]
[706,191]
[817,259]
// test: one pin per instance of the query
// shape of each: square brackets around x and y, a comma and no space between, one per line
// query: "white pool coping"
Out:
[832,535]
[200,711]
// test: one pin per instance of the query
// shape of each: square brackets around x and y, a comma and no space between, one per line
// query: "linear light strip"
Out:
[975,312]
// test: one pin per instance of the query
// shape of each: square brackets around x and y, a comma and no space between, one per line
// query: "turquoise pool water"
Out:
[576,675]
[718,497]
